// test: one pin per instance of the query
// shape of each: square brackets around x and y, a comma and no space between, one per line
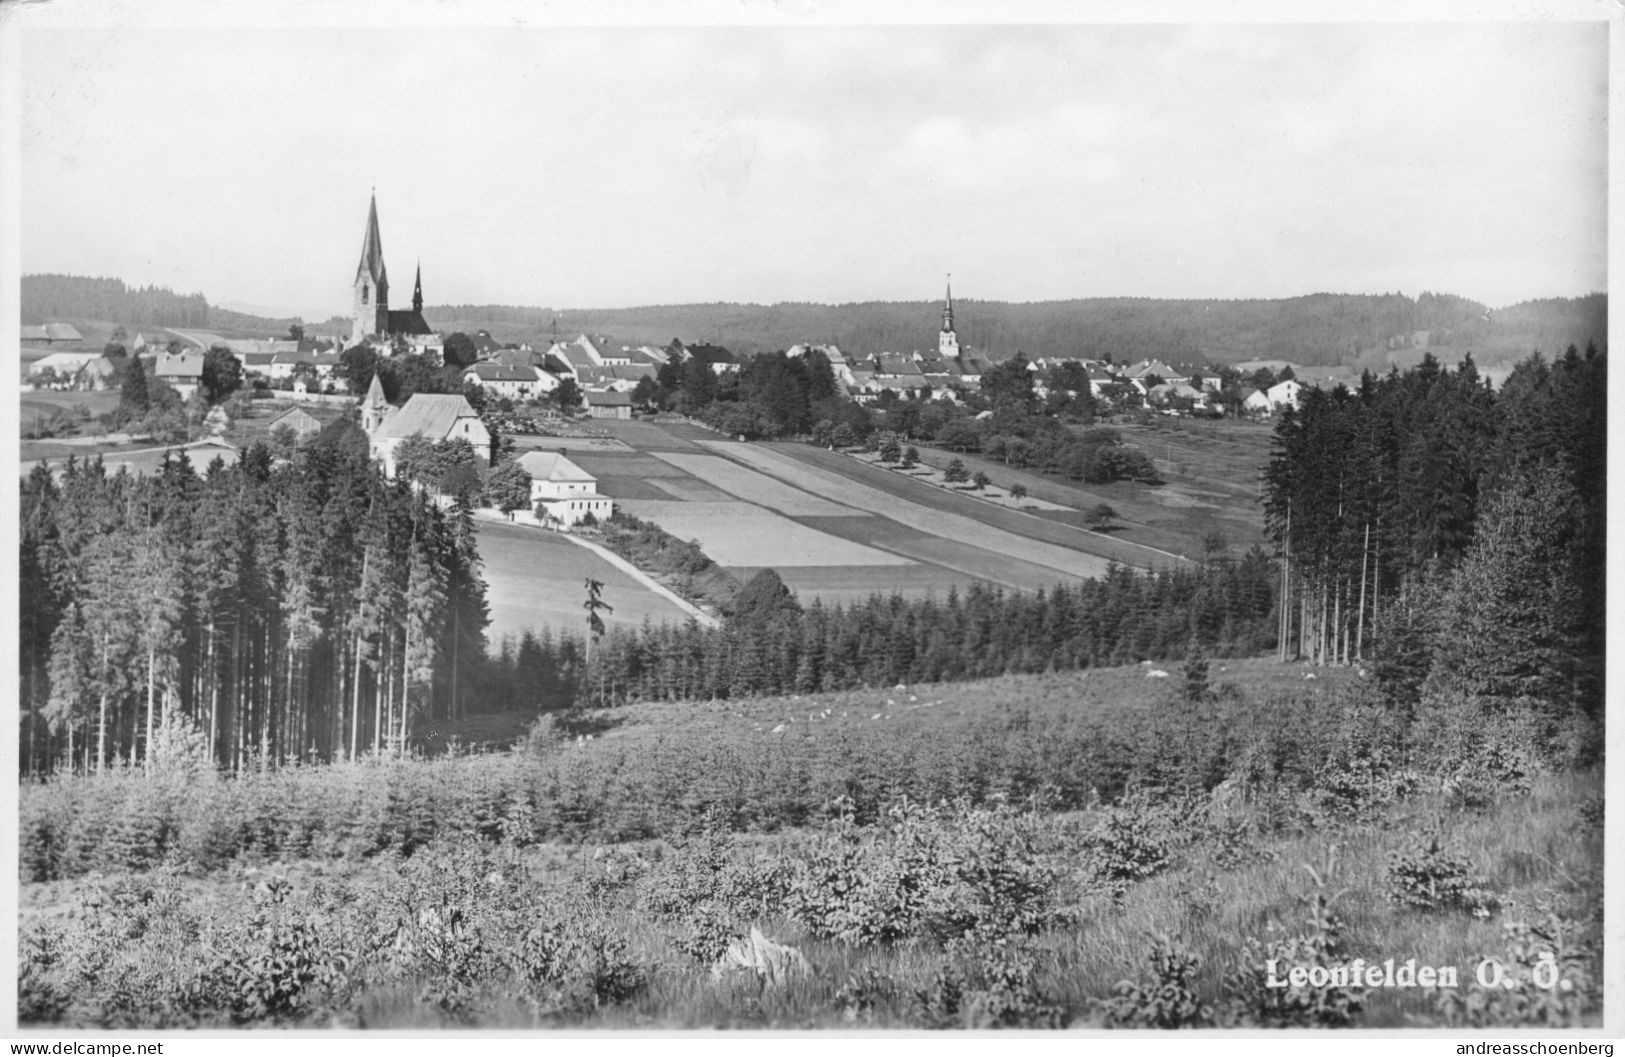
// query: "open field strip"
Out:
[568,445]
[738,533]
[1059,529]
[935,522]
[535,579]
[690,491]
[991,494]
[980,564]
[754,487]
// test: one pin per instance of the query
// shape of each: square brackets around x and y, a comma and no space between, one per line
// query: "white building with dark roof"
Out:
[514,381]
[564,491]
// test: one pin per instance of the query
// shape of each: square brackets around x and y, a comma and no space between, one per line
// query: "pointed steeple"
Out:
[374,406]
[417,290]
[372,250]
[948,341]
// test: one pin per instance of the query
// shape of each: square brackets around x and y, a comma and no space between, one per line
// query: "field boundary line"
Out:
[1018,510]
[703,618]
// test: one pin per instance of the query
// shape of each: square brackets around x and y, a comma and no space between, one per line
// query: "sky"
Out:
[529,161]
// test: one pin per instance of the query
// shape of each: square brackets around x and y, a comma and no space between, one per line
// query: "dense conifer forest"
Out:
[1459,529]
[304,610]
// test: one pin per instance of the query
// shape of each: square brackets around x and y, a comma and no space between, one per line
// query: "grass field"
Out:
[534,579]
[41,405]
[1211,472]
[735,534]
[959,523]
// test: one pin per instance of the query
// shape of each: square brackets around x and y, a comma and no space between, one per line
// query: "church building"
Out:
[374,320]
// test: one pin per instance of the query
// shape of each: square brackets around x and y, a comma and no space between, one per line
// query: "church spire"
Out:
[948,307]
[372,250]
[417,290]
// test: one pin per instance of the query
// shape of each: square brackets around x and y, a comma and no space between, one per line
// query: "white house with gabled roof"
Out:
[564,491]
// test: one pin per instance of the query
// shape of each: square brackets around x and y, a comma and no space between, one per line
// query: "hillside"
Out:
[51,297]
[1319,329]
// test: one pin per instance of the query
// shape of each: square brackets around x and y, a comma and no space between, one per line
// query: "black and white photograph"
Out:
[604,521]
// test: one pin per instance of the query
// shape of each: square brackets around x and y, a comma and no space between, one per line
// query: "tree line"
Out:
[1318,329]
[771,644]
[1453,532]
[309,609]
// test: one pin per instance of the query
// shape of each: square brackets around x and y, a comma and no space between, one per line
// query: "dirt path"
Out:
[704,619]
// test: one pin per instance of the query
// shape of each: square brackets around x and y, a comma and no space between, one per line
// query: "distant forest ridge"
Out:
[51,297]
[1314,330]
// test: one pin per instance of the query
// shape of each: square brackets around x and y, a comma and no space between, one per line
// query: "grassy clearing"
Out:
[534,580]
[943,917]
[1021,852]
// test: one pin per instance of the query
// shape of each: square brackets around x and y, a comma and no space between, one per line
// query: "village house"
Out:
[434,416]
[1285,394]
[1254,402]
[1148,368]
[302,422]
[609,405]
[562,490]
[99,373]
[514,382]
[182,370]
[719,359]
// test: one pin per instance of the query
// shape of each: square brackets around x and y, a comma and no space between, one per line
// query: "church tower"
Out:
[374,407]
[948,341]
[371,283]
[417,291]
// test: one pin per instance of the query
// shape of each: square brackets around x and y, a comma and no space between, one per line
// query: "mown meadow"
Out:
[1102,849]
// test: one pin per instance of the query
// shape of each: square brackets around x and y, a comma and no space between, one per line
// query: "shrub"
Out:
[1427,876]
[1168,1000]
[1131,842]
[1548,978]
[1254,1002]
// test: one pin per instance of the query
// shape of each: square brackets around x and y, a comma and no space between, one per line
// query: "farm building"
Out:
[609,405]
[182,370]
[203,452]
[619,379]
[518,382]
[45,335]
[1254,402]
[99,373]
[302,422]
[63,365]
[719,359]
[565,492]
[434,416]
